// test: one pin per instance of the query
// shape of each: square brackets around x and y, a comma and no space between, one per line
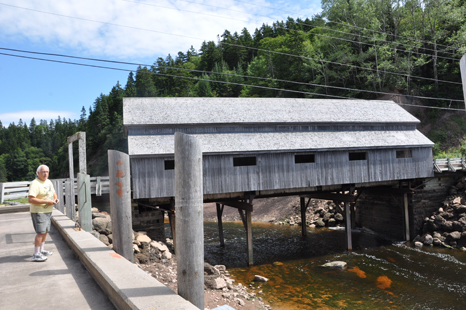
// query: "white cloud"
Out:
[27,116]
[158,17]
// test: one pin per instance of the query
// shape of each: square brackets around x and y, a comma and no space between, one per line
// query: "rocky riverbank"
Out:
[158,259]
[446,227]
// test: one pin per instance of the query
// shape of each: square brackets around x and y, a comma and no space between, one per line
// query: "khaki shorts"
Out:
[41,222]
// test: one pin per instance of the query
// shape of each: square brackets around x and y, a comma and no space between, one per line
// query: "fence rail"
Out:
[16,190]
[449,164]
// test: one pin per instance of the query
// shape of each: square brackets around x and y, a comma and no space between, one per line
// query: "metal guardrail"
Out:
[16,190]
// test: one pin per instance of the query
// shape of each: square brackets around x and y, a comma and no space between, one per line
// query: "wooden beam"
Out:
[220,224]
[237,204]
[406,214]
[349,241]
[331,196]
[249,237]
[172,221]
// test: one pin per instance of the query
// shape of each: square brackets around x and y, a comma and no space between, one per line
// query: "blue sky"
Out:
[122,30]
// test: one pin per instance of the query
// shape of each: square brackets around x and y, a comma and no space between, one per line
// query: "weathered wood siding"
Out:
[277,171]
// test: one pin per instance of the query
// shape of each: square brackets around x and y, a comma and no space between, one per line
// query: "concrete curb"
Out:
[126,285]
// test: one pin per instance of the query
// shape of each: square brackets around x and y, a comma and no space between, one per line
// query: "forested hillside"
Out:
[353,49]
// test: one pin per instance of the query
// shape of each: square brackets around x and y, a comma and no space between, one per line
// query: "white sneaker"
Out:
[46,253]
[39,257]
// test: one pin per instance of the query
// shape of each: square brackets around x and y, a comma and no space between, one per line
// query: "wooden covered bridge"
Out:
[265,147]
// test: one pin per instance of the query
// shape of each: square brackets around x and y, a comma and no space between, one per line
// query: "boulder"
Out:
[456,235]
[456,201]
[418,244]
[461,209]
[143,238]
[436,242]
[335,265]
[320,223]
[104,239]
[210,270]
[332,222]
[100,224]
[159,245]
[258,278]
[339,217]
[427,239]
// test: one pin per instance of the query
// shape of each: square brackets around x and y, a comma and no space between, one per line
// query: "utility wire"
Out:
[247,47]
[144,29]
[315,27]
[178,76]
[342,64]
[295,30]
[346,24]
[209,72]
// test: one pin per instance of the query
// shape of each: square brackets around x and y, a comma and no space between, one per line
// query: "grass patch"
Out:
[20,200]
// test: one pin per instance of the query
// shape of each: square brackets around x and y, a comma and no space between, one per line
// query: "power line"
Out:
[295,30]
[313,26]
[223,82]
[210,72]
[137,28]
[343,64]
[346,24]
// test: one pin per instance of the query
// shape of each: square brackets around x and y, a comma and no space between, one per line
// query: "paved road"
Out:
[61,282]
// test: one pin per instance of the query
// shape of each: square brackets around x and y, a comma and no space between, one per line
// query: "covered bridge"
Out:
[263,147]
[273,146]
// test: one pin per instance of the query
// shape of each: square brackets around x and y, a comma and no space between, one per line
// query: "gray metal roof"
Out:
[159,145]
[164,112]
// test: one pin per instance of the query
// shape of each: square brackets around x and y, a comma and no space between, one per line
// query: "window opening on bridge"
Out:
[357,156]
[404,154]
[304,159]
[169,164]
[244,161]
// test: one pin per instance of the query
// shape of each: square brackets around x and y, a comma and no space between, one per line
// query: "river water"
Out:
[381,274]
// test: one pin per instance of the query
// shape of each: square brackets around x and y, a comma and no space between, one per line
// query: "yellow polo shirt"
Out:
[42,190]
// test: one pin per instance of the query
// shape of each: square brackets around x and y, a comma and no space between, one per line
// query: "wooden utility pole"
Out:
[189,218]
[120,203]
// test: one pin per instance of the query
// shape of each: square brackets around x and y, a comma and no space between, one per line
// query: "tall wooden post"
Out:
[220,223]
[349,241]
[72,200]
[189,218]
[120,203]
[84,201]
[59,190]
[70,208]
[406,215]
[249,237]
[303,216]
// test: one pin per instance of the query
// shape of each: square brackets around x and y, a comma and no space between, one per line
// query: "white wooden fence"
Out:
[16,190]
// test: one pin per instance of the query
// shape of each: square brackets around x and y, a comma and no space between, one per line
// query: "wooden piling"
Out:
[189,218]
[303,216]
[120,203]
[349,241]
[406,217]
[84,201]
[220,223]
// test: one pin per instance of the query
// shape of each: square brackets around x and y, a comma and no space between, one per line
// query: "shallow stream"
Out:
[381,274]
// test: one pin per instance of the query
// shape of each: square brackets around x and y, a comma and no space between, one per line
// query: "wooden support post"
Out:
[220,223]
[70,208]
[84,201]
[172,220]
[72,211]
[82,152]
[303,215]
[98,187]
[406,217]
[120,203]
[249,237]
[349,242]
[58,185]
[189,218]
[353,214]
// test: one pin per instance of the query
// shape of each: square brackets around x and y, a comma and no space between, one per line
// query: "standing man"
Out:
[42,198]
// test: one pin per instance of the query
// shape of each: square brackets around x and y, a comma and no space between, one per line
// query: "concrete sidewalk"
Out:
[61,282]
